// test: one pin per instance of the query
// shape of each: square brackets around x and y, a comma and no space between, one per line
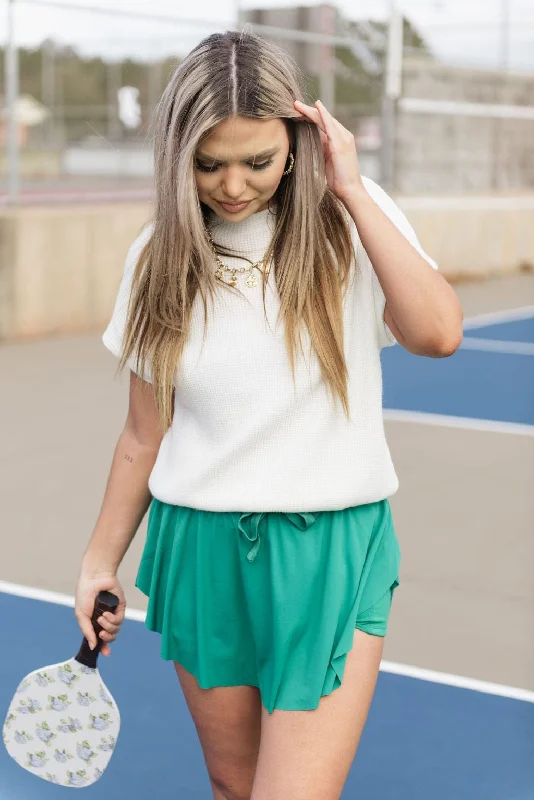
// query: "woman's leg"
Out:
[306,755]
[228,722]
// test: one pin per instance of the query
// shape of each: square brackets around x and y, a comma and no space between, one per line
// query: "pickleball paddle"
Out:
[62,723]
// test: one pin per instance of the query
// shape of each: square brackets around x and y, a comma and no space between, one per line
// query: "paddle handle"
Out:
[105,601]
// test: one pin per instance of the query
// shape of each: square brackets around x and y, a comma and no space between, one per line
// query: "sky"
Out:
[464,31]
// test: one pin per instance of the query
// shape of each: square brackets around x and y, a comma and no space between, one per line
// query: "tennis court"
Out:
[453,712]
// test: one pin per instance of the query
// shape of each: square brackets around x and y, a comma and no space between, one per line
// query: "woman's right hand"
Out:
[87,590]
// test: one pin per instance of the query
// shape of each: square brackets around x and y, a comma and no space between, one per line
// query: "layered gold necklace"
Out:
[222,271]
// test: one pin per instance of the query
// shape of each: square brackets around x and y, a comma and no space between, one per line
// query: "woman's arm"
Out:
[126,498]
[126,501]
[422,309]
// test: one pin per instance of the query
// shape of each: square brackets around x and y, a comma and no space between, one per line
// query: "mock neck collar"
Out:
[251,234]
[249,225]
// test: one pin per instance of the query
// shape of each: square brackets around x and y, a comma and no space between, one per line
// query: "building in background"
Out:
[457,129]
[462,130]
[348,79]
[30,115]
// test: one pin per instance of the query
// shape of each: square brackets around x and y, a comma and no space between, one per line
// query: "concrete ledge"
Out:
[60,266]
[475,236]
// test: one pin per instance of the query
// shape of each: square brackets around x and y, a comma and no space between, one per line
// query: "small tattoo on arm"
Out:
[128,458]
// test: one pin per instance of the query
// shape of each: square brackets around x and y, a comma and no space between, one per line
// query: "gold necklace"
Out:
[251,280]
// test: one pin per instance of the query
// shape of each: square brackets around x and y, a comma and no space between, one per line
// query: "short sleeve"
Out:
[389,207]
[113,336]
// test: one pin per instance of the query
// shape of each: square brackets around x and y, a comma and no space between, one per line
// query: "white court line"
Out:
[498,346]
[494,317]
[407,670]
[472,343]
[460,681]
[45,596]
[468,423]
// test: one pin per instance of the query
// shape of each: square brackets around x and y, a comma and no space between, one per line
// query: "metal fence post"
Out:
[12,94]
[327,77]
[392,91]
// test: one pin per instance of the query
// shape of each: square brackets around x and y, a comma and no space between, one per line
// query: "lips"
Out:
[234,207]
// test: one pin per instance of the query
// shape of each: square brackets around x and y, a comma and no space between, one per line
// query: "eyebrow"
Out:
[258,157]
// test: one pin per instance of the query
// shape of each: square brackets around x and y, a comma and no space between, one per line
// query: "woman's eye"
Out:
[214,167]
[262,166]
[206,167]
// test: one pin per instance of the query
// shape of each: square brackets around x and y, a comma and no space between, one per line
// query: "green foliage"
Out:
[355,86]
[80,87]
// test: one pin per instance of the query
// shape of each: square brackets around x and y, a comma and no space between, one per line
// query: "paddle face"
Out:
[62,723]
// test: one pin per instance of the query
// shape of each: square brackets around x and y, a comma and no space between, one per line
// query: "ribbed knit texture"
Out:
[243,437]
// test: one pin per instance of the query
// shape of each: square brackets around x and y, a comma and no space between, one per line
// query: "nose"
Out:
[234,182]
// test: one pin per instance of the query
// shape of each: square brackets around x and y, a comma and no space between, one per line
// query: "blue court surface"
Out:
[424,740]
[491,377]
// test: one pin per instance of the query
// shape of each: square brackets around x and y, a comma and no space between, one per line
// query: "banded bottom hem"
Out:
[346,641]
[336,664]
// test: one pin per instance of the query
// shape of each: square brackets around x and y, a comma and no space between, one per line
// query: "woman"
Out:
[251,313]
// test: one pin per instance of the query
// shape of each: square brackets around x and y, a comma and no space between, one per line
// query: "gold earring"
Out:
[291,164]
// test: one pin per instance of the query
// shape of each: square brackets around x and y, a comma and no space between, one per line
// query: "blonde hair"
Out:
[242,74]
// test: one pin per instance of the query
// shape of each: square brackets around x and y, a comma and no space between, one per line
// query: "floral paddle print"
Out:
[100,723]
[84,699]
[62,756]
[37,760]
[79,778]
[107,743]
[22,737]
[62,725]
[42,679]
[44,733]
[84,752]
[59,703]
[29,707]
[71,726]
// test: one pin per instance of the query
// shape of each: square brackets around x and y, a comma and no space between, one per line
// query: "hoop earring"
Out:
[291,164]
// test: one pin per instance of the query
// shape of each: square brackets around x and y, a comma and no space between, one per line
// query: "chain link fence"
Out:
[76,114]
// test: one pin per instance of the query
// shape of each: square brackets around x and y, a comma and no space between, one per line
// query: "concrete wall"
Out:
[60,267]
[462,147]
[475,236]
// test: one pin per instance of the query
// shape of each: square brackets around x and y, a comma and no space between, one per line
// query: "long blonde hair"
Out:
[242,74]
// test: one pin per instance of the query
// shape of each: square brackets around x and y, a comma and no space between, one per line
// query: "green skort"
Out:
[268,599]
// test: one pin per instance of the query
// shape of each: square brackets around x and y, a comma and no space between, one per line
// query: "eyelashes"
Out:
[213,168]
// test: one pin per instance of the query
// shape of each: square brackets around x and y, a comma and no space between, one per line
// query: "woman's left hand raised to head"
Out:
[341,160]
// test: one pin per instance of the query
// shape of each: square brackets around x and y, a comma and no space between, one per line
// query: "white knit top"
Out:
[243,438]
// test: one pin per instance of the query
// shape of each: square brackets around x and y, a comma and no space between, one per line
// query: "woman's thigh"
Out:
[307,755]
[228,722]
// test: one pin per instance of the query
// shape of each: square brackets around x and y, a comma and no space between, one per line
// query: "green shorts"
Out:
[268,599]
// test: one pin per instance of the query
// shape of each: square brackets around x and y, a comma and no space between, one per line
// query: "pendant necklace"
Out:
[251,279]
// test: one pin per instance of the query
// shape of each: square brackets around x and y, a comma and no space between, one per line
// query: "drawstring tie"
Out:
[301,520]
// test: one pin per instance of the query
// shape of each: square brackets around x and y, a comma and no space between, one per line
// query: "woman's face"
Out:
[239,166]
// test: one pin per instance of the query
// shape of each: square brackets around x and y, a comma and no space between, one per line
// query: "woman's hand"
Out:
[341,161]
[86,592]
